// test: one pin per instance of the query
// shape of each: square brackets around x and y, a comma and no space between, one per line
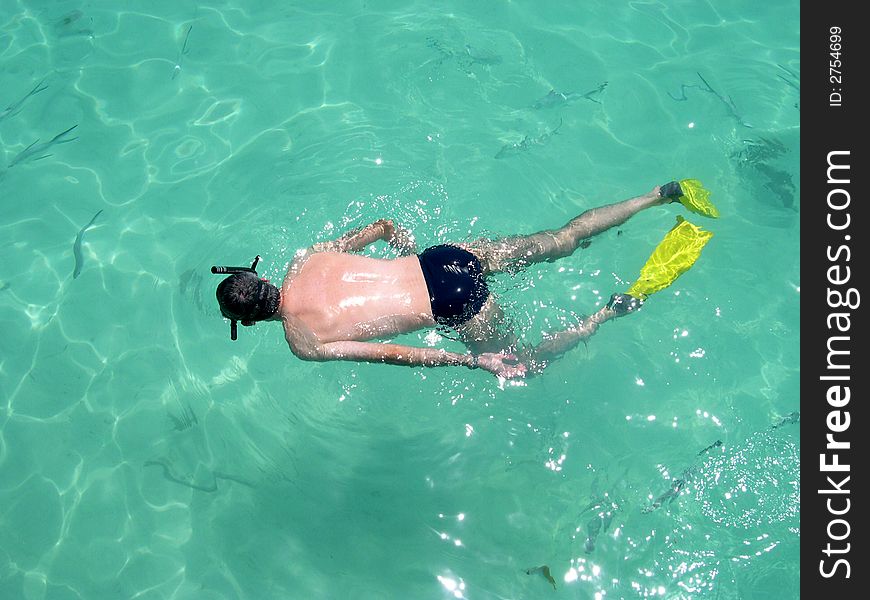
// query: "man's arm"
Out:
[305,345]
[393,354]
[357,239]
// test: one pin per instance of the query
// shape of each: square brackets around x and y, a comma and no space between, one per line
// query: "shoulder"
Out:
[299,259]
[302,341]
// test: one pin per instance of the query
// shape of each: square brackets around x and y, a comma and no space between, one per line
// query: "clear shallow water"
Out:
[144,455]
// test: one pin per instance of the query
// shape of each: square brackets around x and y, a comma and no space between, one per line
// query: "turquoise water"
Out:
[144,455]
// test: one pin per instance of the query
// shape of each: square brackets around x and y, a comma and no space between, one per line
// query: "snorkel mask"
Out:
[233,271]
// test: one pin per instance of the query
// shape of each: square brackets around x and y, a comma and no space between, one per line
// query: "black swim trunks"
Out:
[454,278]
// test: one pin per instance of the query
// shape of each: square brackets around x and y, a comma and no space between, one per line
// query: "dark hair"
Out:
[245,297]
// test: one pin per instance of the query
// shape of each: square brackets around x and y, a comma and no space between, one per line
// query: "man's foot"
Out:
[671,190]
[691,194]
[623,304]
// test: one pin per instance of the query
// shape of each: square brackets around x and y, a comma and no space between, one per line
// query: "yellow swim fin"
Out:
[697,199]
[678,251]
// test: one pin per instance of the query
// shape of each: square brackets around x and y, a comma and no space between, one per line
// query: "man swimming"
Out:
[333,302]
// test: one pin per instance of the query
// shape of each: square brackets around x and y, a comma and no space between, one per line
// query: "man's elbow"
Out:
[306,352]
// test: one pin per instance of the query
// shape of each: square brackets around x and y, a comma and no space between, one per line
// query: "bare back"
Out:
[342,296]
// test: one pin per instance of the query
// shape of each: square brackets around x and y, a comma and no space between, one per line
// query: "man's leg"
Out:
[556,344]
[488,330]
[517,252]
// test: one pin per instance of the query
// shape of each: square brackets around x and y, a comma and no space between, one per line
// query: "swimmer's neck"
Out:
[279,312]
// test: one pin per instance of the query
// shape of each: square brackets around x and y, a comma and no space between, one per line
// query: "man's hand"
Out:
[398,237]
[502,365]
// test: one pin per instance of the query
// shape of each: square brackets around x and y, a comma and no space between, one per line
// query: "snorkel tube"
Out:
[232,271]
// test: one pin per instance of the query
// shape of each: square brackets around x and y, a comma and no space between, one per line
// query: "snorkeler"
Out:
[332,301]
